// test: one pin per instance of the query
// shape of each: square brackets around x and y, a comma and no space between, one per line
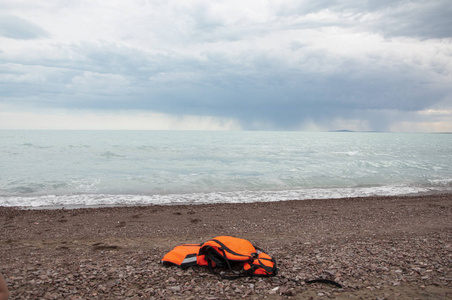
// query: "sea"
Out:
[74,169]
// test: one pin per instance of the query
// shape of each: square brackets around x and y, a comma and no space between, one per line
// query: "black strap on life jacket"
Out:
[222,261]
[317,280]
[270,270]
[227,249]
[327,281]
[253,264]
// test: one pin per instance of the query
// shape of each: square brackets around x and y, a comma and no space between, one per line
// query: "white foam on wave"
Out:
[444,182]
[79,166]
[96,200]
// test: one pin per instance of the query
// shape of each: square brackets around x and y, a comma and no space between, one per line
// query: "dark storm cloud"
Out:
[282,105]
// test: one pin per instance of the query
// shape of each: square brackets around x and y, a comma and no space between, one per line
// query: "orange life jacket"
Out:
[224,252]
[183,256]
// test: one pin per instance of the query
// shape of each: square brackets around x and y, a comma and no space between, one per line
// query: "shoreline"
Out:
[388,247]
[430,192]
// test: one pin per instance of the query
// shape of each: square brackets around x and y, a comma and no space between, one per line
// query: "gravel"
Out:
[376,247]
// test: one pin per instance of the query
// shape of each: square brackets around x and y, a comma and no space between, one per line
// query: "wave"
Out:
[97,200]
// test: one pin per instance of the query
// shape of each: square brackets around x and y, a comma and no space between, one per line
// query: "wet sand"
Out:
[376,247]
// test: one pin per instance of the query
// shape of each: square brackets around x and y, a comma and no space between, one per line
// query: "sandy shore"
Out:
[378,248]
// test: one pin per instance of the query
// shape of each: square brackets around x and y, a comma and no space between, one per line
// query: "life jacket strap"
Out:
[225,252]
[327,281]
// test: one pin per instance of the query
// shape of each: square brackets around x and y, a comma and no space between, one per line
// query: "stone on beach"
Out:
[381,247]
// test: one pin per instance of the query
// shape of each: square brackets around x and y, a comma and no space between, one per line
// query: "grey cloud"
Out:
[420,19]
[253,89]
[252,86]
[285,106]
[17,28]
[432,20]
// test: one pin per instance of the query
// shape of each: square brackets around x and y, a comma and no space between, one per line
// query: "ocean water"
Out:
[55,169]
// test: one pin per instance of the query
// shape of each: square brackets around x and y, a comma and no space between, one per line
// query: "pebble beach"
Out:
[376,247]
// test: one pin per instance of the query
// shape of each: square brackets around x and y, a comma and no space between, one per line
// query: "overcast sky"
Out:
[250,65]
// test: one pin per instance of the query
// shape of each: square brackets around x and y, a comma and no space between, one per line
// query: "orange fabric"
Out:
[265,260]
[228,248]
[201,260]
[235,248]
[179,253]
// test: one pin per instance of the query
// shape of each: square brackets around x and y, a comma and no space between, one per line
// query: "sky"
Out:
[322,65]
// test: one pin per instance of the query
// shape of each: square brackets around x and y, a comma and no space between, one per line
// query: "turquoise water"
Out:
[84,168]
